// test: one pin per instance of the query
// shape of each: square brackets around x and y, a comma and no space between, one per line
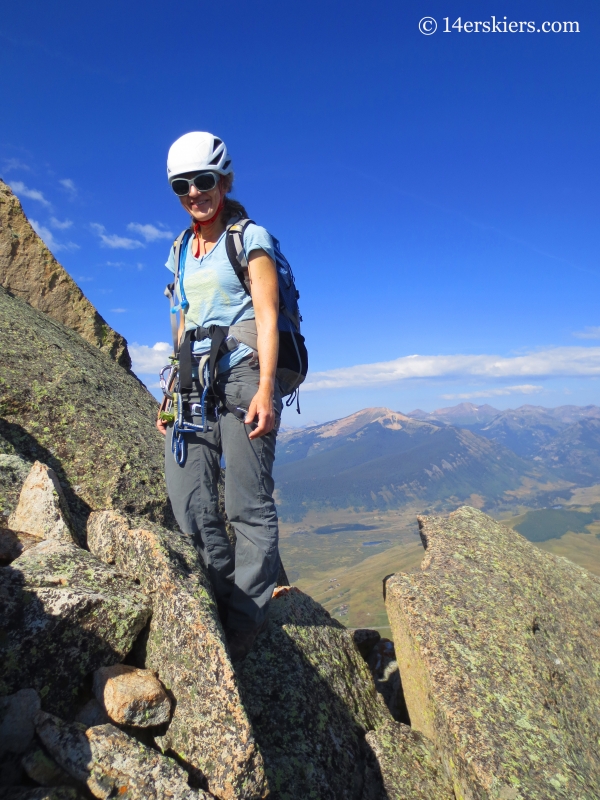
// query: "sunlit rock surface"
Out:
[30,271]
[499,651]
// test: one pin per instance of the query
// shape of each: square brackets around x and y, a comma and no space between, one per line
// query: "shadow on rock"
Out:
[311,700]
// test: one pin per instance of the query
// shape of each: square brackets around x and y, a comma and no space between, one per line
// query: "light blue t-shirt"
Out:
[214,292]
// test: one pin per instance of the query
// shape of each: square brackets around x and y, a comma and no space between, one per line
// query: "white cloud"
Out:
[150,232]
[557,361]
[588,333]
[47,237]
[60,226]
[114,241]
[14,163]
[69,185]
[148,360]
[21,190]
[526,388]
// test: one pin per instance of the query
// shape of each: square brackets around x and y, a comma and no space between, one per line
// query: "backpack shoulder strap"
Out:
[234,243]
[171,291]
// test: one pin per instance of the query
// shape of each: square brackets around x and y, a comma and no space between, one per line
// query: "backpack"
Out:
[292,362]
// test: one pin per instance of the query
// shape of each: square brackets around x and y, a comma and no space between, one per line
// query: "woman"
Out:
[242,423]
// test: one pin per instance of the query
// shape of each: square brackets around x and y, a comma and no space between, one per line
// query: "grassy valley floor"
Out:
[340,558]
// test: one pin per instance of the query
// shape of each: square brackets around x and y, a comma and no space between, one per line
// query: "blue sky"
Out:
[436,195]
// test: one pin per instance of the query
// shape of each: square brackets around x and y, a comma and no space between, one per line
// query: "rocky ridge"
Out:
[115,677]
[30,271]
[92,643]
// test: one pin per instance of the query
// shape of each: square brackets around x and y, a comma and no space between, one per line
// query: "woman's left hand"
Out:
[261,409]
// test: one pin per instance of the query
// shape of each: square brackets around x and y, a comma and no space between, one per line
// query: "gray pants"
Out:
[243,578]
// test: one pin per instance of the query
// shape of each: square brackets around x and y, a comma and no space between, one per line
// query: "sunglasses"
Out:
[203,181]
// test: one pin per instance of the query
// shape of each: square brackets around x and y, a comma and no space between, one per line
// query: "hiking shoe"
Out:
[240,642]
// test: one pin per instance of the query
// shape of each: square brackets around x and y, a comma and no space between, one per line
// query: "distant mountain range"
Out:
[378,458]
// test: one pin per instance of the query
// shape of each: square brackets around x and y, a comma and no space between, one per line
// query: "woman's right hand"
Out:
[161,426]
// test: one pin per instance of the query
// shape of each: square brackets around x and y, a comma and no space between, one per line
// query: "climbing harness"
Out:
[182,426]
[177,378]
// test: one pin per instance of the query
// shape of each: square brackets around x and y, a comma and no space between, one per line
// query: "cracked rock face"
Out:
[64,614]
[185,646]
[112,764]
[499,654]
[311,698]
[132,696]
[42,509]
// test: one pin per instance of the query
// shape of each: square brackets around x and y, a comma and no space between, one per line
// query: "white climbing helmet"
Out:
[197,151]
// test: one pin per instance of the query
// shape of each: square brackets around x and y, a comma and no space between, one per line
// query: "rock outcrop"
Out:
[42,510]
[185,645]
[65,403]
[311,699]
[64,615]
[30,271]
[407,765]
[499,654]
[112,764]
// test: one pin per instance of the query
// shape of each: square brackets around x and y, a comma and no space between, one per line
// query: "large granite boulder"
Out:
[112,764]
[311,699]
[499,654]
[209,729]
[67,404]
[64,614]
[42,509]
[29,270]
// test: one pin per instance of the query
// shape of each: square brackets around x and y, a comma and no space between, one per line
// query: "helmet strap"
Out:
[198,225]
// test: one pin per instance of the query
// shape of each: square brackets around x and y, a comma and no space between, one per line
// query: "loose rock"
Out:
[210,729]
[112,764]
[132,696]
[311,699]
[42,510]
[499,654]
[17,714]
[65,614]
[406,763]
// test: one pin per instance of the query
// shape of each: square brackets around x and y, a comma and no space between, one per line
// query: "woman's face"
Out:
[201,205]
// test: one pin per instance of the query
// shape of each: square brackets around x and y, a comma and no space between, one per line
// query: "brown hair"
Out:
[231,208]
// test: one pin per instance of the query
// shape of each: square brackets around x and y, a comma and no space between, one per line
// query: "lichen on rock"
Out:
[311,699]
[406,764]
[66,404]
[210,729]
[112,764]
[65,614]
[499,654]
